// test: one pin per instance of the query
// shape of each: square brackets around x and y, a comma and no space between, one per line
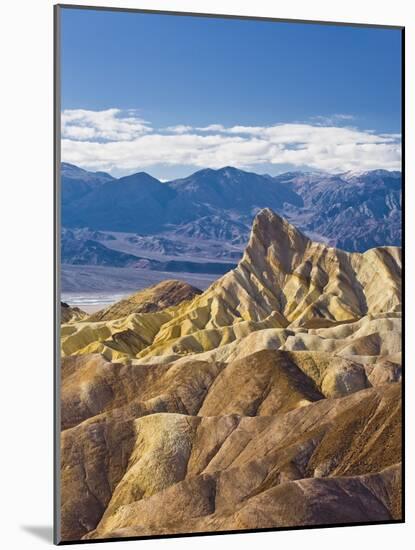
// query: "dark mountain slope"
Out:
[77,182]
[232,189]
[132,203]
[141,203]
[352,211]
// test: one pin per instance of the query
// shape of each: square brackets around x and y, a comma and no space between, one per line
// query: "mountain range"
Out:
[353,210]
[76,250]
[271,399]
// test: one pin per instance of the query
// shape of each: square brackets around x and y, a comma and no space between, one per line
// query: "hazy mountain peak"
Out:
[71,167]
[223,172]
[71,171]
[231,170]
[378,173]
[139,177]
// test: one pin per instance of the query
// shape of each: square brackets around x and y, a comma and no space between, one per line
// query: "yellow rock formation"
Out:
[272,399]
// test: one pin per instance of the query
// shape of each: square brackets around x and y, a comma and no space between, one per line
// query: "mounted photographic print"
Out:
[228,274]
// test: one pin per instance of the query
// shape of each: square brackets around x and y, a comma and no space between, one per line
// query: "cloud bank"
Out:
[120,140]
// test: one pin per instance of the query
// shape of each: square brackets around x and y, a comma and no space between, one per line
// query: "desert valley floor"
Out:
[271,399]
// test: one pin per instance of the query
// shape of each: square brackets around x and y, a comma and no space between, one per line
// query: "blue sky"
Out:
[205,90]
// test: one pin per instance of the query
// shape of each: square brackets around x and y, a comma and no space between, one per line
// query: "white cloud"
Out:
[211,128]
[179,129]
[109,125]
[112,140]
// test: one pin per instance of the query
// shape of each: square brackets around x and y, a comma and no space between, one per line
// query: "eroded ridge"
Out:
[272,399]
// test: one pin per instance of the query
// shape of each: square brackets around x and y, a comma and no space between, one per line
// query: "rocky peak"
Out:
[270,227]
[273,235]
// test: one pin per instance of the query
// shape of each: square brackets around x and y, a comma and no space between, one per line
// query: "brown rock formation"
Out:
[71,314]
[270,400]
[155,298]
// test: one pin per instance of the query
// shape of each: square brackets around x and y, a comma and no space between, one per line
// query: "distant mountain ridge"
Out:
[85,251]
[352,210]
[142,204]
